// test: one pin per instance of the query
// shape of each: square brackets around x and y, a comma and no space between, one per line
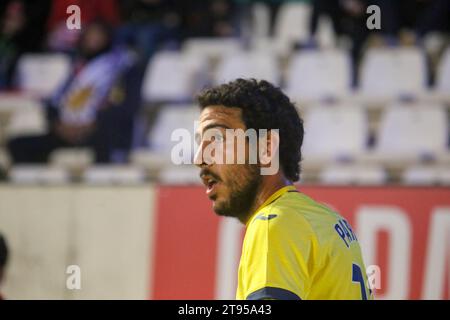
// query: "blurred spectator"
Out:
[12,23]
[3,260]
[148,24]
[215,18]
[60,37]
[421,16]
[348,18]
[21,30]
[436,17]
[399,15]
[272,5]
[94,108]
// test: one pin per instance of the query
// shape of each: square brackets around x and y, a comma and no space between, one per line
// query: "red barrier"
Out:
[403,230]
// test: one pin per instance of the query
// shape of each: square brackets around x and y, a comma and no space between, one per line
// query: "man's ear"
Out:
[269,145]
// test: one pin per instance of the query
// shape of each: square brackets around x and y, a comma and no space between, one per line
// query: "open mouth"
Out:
[210,185]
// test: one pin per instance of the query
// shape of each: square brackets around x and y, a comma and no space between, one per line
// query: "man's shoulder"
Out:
[281,218]
[297,206]
[296,215]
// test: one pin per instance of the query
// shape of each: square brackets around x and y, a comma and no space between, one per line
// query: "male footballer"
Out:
[294,247]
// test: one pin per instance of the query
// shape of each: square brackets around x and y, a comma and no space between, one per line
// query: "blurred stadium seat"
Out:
[244,64]
[114,174]
[5,160]
[427,175]
[210,48]
[319,75]
[386,73]
[73,159]
[151,162]
[180,175]
[325,36]
[36,174]
[42,74]
[443,74]
[25,116]
[333,133]
[361,174]
[292,25]
[173,77]
[412,132]
[260,20]
[172,117]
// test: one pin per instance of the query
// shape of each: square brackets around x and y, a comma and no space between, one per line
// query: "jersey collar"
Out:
[271,199]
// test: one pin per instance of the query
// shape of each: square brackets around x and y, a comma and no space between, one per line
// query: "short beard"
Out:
[242,198]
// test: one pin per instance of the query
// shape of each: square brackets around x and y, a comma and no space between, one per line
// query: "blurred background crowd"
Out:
[100,103]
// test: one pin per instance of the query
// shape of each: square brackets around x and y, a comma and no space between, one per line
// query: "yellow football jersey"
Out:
[295,248]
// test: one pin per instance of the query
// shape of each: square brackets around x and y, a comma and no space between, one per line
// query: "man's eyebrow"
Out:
[215,125]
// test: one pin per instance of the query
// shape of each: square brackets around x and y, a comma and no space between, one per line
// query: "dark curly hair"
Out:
[3,252]
[264,106]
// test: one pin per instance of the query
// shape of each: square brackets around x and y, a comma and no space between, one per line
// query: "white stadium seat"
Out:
[318,75]
[210,48]
[258,65]
[420,175]
[292,25]
[42,74]
[412,131]
[444,175]
[389,73]
[260,27]
[173,77]
[334,132]
[37,174]
[147,159]
[427,175]
[5,160]
[180,175]
[171,118]
[72,158]
[325,36]
[25,116]
[443,74]
[362,174]
[114,174]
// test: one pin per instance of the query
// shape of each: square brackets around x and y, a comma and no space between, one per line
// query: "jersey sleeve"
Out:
[277,258]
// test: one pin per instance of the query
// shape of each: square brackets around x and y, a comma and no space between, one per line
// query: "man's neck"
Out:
[269,186]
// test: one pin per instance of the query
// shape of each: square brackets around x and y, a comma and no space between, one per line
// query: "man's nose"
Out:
[199,159]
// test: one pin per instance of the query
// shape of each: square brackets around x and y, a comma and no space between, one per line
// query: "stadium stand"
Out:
[334,133]
[411,133]
[73,159]
[386,73]
[20,114]
[38,174]
[291,26]
[179,175]
[426,175]
[42,74]
[114,175]
[171,118]
[443,74]
[395,116]
[254,64]
[318,75]
[348,174]
[210,48]
[173,77]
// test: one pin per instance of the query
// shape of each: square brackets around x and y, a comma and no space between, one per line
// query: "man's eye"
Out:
[218,137]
